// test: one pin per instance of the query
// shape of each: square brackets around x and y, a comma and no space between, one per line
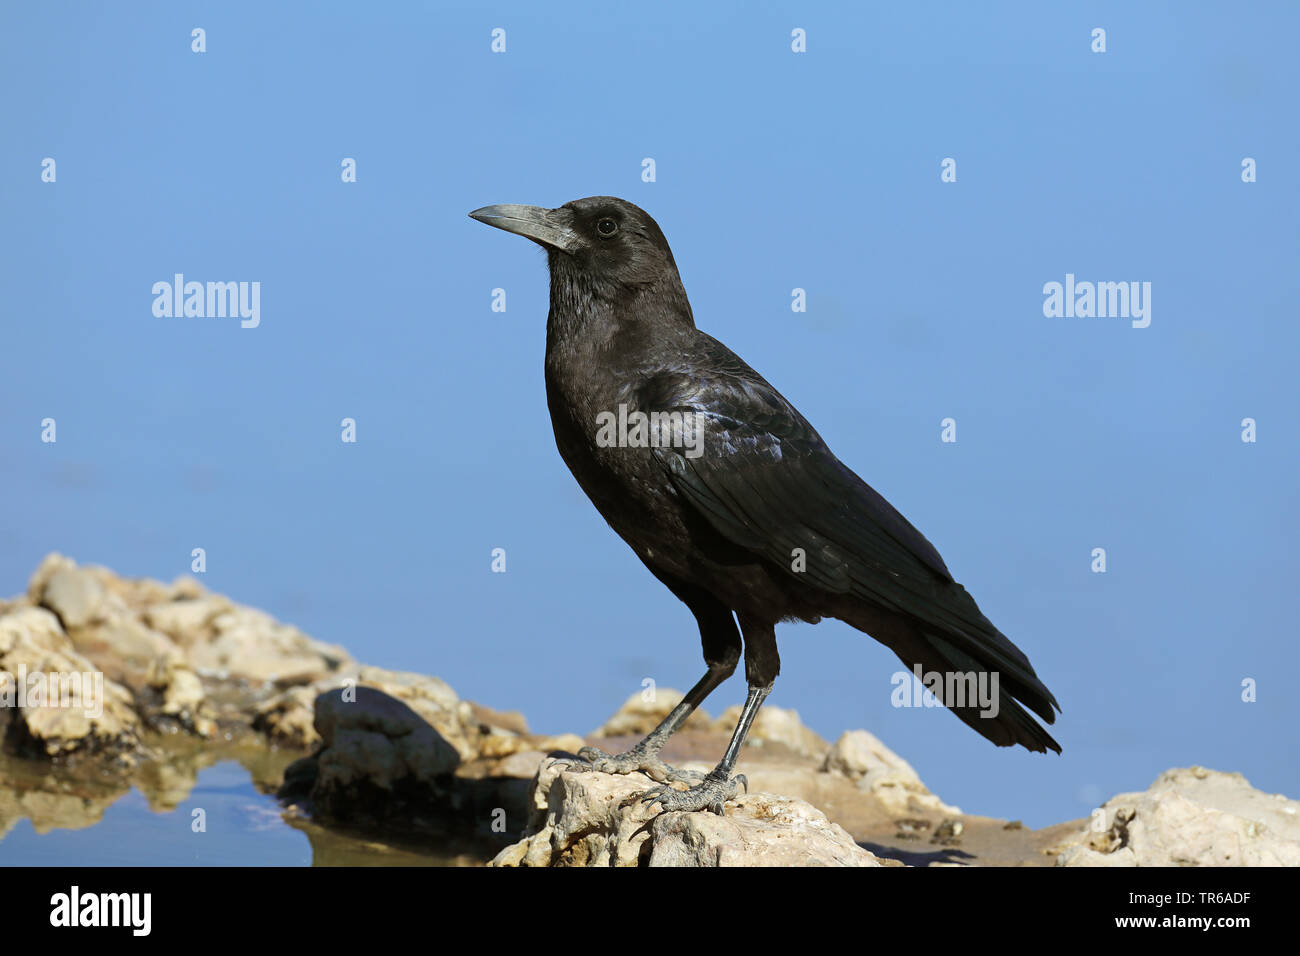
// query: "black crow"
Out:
[733,501]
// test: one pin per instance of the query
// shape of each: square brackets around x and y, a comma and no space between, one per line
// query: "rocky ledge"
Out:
[187,676]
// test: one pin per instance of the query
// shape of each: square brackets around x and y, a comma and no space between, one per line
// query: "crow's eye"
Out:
[606,227]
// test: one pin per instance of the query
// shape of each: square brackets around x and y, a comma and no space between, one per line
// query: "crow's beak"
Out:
[543,226]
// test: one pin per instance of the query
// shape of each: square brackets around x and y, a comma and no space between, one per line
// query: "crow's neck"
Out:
[615,328]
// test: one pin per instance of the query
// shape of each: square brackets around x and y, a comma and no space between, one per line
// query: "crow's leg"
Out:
[762,664]
[722,645]
[719,785]
[645,755]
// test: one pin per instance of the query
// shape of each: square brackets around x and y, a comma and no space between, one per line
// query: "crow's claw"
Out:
[710,794]
[635,761]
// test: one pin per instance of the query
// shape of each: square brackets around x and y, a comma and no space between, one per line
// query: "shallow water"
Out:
[201,808]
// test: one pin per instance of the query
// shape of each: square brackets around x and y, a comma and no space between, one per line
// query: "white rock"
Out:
[775,725]
[592,819]
[1191,817]
[74,594]
[862,757]
[639,716]
[32,643]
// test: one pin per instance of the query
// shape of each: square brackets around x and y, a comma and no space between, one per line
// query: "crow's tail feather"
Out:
[970,660]
[1005,722]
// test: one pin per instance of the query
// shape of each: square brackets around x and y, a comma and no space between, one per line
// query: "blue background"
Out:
[775,170]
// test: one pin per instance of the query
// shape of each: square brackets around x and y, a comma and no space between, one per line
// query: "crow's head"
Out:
[604,243]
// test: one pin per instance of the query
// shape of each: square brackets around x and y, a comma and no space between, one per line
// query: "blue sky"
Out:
[774,170]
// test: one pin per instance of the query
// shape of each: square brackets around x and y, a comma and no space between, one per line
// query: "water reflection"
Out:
[201,806]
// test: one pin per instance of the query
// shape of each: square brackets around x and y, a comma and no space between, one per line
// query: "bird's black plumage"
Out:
[723,523]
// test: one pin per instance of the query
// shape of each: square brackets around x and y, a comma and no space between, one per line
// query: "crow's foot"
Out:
[633,761]
[710,794]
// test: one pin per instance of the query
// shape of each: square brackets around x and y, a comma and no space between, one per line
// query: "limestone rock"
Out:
[497,743]
[161,640]
[73,593]
[875,768]
[253,645]
[638,716]
[775,725]
[84,712]
[131,592]
[122,642]
[776,831]
[511,720]
[183,697]
[187,622]
[593,819]
[1190,817]
[289,717]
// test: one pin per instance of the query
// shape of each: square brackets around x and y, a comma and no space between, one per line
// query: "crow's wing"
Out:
[766,481]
